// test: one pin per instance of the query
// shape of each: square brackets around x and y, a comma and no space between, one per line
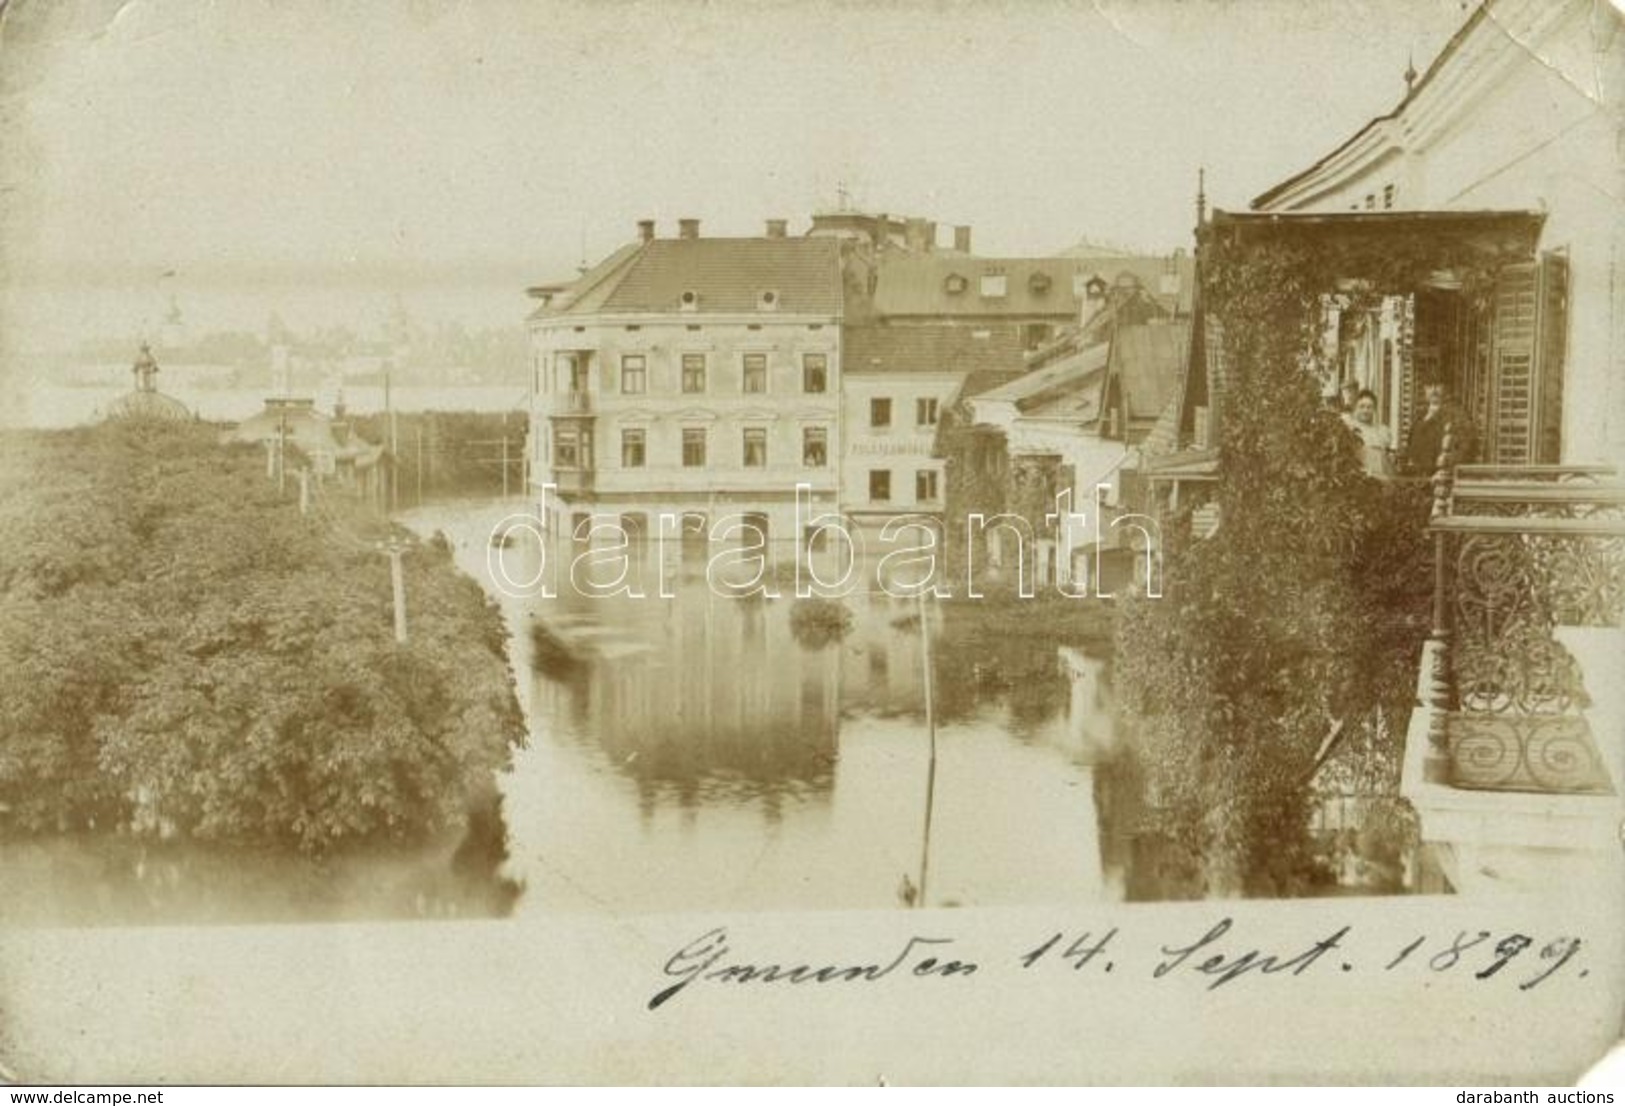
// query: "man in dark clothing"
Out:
[1426,440]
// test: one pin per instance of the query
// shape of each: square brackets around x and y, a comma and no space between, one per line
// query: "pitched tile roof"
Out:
[1149,360]
[1080,373]
[727,276]
[1164,436]
[916,285]
[938,349]
[913,285]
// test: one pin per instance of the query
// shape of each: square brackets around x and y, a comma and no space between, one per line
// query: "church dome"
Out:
[148,405]
[146,401]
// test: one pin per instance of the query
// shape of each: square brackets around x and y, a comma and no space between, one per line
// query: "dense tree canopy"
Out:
[182,652]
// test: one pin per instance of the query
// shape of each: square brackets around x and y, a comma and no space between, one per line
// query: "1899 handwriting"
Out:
[1214,955]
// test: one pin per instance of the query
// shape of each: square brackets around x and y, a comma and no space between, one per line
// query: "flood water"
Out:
[700,756]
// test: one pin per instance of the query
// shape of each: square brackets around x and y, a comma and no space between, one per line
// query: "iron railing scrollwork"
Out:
[1515,559]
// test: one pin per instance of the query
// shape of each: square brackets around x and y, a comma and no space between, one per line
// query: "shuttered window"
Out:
[1513,357]
[1526,385]
[1553,339]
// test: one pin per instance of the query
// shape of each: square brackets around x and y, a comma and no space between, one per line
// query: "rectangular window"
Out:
[814,372]
[755,447]
[632,455]
[693,372]
[577,372]
[880,412]
[993,285]
[694,447]
[570,446]
[633,374]
[755,372]
[1034,335]
[925,412]
[880,486]
[815,447]
[1387,196]
[925,485]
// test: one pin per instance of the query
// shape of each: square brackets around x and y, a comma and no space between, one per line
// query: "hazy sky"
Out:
[459,150]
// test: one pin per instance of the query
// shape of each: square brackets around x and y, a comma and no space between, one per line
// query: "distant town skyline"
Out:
[274,150]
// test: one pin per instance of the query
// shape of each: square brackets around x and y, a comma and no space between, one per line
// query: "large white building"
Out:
[697,378]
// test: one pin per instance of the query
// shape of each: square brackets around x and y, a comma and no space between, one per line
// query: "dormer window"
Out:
[1095,288]
[767,301]
[689,300]
[1038,283]
[955,284]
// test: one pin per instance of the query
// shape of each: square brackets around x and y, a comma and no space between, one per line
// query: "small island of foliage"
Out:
[184,656]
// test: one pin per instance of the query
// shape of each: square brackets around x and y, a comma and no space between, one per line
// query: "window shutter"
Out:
[1552,337]
[1512,398]
[1530,335]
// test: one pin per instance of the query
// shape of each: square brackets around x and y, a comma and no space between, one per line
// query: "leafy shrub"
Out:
[183,653]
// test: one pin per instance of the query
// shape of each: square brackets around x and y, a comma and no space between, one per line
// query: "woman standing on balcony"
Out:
[1376,441]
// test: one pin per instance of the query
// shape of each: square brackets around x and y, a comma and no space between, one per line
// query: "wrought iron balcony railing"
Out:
[1521,556]
[574,403]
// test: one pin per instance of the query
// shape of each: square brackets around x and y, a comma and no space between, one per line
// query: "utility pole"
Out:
[394,449]
[503,460]
[931,731]
[282,454]
[304,490]
[420,463]
[397,581]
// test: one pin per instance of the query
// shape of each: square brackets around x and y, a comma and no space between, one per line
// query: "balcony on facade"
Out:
[568,388]
[1515,757]
[574,482]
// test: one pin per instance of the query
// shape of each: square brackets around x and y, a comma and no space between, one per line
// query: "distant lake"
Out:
[53,406]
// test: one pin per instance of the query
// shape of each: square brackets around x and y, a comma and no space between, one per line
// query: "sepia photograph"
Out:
[705,542]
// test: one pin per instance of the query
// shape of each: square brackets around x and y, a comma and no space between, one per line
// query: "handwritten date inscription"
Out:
[1215,957]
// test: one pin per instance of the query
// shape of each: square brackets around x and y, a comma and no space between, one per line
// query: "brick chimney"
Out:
[688,228]
[962,239]
[646,230]
[778,228]
[914,234]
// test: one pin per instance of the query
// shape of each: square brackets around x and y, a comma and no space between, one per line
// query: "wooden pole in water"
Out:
[931,768]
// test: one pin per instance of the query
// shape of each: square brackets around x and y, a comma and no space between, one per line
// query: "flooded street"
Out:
[701,757]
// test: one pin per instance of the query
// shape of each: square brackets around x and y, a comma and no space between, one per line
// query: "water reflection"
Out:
[696,700]
[696,753]
[699,755]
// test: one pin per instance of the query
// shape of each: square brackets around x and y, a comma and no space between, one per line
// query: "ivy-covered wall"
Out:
[1303,613]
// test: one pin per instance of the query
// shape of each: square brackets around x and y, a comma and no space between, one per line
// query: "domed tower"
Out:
[145,401]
